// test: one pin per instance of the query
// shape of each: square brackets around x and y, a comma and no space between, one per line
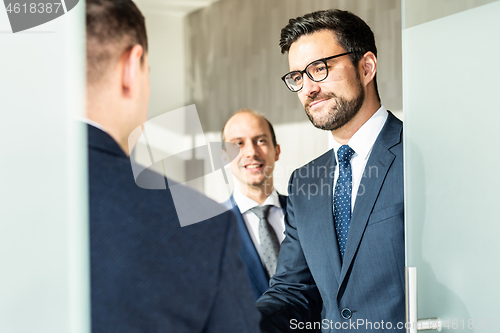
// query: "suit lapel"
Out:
[322,207]
[249,255]
[380,160]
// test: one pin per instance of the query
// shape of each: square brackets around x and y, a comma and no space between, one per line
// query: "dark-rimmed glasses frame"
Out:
[324,60]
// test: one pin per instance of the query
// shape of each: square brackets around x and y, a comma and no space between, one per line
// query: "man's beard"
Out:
[340,114]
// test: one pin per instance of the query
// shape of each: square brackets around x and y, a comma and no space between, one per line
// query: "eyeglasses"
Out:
[316,71]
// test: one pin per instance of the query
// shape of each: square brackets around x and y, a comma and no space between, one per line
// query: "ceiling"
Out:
[176,7]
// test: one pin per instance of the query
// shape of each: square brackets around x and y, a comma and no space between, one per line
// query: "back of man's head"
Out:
[113,26]
[117,69]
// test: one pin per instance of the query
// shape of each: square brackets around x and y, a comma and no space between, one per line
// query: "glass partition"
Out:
[44,283]
[451,121]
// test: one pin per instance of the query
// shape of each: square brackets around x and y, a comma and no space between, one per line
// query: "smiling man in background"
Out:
[257,205]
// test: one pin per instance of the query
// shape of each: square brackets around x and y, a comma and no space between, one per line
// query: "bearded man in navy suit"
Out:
[254,191]
[148,274]
[341,265]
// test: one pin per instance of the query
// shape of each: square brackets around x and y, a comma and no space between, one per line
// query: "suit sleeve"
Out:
[293,294]
[234,306]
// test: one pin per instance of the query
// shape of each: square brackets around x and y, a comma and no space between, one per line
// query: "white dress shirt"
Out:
[91,123]
[362,143]
[275,218]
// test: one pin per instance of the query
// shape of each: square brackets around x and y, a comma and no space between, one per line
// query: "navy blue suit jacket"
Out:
[257,273]
[149,274]
[311,283]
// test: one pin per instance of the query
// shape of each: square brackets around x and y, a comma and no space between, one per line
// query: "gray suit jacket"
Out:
[311,283]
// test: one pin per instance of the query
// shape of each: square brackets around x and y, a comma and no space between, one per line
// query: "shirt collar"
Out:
[362,141]
[91,123]
[244,203]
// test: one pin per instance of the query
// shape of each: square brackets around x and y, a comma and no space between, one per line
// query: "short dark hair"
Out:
[258,114]
[353,34]
[113,26]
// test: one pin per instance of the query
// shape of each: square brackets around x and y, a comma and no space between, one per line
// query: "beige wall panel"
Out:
[422,11]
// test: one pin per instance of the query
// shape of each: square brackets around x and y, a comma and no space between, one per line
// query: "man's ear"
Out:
[131,66]
[278,152]
[368,67]
[224,157]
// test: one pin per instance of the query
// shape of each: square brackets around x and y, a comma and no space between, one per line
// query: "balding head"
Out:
[253,167]
[257,114]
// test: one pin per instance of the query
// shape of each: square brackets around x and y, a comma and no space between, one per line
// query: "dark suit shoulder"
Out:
[147,272]
[392,132]
[319,167]
[99,140]
[322,160]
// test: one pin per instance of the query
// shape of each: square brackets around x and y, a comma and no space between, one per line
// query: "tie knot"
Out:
[262,212]
[345,153]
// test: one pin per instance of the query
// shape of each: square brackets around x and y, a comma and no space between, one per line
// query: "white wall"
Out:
[166,60]
[44,280]
[168,76]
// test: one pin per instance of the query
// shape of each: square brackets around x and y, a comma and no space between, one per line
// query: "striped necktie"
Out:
[269,244]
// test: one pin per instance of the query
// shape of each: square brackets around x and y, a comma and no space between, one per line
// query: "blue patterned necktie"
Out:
[269,243]
[342,197]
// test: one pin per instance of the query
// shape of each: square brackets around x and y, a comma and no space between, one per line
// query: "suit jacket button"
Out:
[346,313]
